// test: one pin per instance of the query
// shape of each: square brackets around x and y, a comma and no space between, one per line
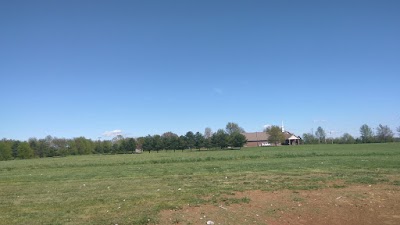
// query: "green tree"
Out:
[60,146]
[71,147]
[384,134]
[43,149]
[5,150]
[34,144]
[158,143]
[139,143]
[320,135]
[198,140]
[190,139]
[237,139]
[83,146]
[367,135]
[25,151]
[122,146]
[14,148]
[232,128]
[50,146]
[276,135]
[175,143]
[309,138]
[117,145]
[115,149]
[220,139]
[129,145]
[106,146]
[207,143]
[170,140]
[98,147]
[347,139]
[182,143]
[148,143]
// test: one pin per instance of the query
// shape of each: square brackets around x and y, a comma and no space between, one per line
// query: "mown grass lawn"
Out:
[133,189]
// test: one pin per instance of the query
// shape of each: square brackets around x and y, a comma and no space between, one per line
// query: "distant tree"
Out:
[170,140]
[158,143]
[207,143]
[232,128]
[139,142]
[366,133]
[207,133]
[276,135]
[207,138]
[5,150]
[198,140]
[98,147]
[84,146]
[25,151]
[43,148]
[182,143]
[174,143]
[14,148]
[220,139]
[384,134]
[117,138]
[148,143]
[237,139]
[51,150]
[115,149]
[398,130]
[190,139]
[129,145]
[60,146]
[107,146]
[335,140]
[34,144]
[122,147]
[320,135]
[119,145]
[309,138]
[347,139]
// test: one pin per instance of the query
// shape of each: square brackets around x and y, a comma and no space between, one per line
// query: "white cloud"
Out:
[112,133]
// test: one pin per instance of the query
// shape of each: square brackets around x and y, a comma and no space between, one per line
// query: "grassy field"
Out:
[133,189]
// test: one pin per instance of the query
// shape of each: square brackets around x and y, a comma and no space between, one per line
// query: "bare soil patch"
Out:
[352,205]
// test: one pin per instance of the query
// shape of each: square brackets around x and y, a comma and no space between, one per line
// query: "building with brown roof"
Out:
[258,139]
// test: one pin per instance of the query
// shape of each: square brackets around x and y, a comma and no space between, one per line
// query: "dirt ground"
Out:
[361,204]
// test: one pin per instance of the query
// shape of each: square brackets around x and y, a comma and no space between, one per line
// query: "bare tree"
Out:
[320,134]
[384,133]
[207,133]
[366,133]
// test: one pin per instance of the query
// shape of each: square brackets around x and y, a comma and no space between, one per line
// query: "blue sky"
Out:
[81,68]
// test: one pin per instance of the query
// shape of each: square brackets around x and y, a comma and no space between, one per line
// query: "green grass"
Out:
[133,189]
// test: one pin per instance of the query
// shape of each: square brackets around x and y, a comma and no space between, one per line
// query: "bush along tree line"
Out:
[382,134]
[58,147]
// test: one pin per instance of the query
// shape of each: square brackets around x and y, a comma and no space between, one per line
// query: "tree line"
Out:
[58,147]
[381,134]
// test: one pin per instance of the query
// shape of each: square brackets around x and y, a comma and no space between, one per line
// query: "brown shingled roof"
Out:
[263,136]
[256,136]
